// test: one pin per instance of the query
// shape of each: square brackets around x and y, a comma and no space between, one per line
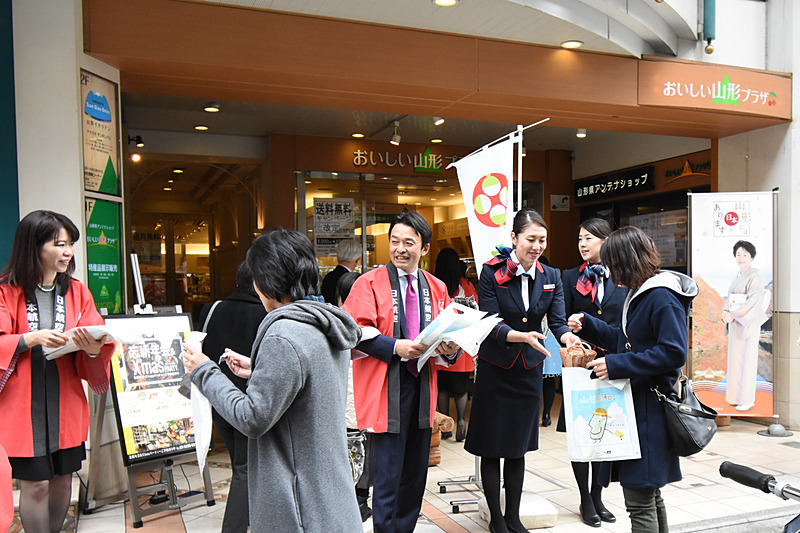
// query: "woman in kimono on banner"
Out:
[743,315]
[46,415]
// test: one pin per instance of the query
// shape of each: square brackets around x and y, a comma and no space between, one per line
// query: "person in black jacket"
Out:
[504,421]
[232,324]
[589,289]
[348,252]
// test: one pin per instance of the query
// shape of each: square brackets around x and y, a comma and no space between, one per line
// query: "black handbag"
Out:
[690,423]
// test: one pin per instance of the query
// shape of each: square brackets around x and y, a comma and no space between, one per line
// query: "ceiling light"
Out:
[386,178]
[167,188]
[201,127]
[433,199]
[308,182]
[417,203]
[137,139]
[571,44]
[213,107]
[581,133]
[358,135]
[438,121]
[441,180]
[334,173]
[136,157]
[177,171]
[452,194]
[445,3]
[436,141]
[170,181]
[396,136]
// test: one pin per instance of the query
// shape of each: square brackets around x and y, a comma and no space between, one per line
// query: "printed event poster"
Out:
[153,419]
[100,134]
[104,254]
[731,261]
[334,221]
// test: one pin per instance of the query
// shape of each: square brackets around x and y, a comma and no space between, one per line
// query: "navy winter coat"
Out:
[654,318]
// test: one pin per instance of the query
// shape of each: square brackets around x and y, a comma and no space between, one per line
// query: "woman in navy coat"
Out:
[504,422]
[589,289]
[649,348]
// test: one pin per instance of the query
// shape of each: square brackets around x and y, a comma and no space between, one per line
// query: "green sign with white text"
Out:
[104,254]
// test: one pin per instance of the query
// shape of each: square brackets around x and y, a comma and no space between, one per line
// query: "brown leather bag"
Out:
[577,355]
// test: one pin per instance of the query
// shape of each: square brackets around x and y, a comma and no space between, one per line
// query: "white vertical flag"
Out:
[486,179]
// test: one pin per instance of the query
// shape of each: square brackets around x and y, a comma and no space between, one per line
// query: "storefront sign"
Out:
[732,327]
[334,221]
[723,88]
[614,184]
[153,419]
[100,134]
[104,255]
[426,161]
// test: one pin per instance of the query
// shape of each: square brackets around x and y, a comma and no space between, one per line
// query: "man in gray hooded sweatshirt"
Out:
[293,409]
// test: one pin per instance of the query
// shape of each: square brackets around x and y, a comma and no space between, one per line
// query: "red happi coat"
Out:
[370,304]
[16,430]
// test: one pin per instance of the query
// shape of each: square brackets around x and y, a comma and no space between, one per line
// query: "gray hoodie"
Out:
[293,412]
[682,285]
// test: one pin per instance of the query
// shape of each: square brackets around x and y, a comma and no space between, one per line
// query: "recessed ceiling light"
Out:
[436,141]
[441,180]
[571,44]
[417,203]
[177,171]
[433,199]
[445,3]
[308,182]
[201,127]
[386,178]
[438,121]
[213,107]
[334,173]
[580,133]
[170,181]
[136,157]
[358,135]
[452,194]
[167,188]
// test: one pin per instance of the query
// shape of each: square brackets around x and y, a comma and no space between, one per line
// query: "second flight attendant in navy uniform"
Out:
[504,422]
[588,289]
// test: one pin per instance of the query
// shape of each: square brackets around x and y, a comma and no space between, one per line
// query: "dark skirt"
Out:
[504,420]
[45,468]
[453,382]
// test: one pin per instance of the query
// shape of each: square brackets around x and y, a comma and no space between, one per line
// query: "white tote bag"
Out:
[601,425]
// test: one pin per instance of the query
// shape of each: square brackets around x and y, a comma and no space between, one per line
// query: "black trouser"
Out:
[237,510]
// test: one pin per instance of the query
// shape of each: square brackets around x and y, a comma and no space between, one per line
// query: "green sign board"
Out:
[104,254]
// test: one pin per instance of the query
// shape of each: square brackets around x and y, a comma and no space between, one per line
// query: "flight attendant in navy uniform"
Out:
[504,421]
[588,289]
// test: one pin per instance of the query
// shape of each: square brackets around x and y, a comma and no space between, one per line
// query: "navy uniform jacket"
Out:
[609,310]
[546,298]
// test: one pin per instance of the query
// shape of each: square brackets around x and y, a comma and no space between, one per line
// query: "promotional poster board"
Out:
[104,254]
[153,419]
[99,104]
[334,221]
[732,357]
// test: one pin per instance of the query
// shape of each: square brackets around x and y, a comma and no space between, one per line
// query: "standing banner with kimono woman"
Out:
[732,262]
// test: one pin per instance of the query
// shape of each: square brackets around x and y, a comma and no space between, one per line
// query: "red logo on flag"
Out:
[489,200]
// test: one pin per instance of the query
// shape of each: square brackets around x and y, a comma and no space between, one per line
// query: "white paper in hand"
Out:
[201,417]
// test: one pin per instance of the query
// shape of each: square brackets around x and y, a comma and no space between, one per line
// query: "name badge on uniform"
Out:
[549,287]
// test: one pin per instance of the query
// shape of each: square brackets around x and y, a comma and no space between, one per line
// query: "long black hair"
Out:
[450,269]
[24,269]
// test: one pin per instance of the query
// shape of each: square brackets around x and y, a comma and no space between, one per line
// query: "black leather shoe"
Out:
[546,420]
[365,511]
[590,520]
[516,529]
[447,434]
[606,516]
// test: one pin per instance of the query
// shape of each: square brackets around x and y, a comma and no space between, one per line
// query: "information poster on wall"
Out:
[668,230]
[732,356]
[100,134]
[153,419]
[334,221]
[104,254]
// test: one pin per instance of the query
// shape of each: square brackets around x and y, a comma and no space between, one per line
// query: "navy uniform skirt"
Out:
[504,420]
